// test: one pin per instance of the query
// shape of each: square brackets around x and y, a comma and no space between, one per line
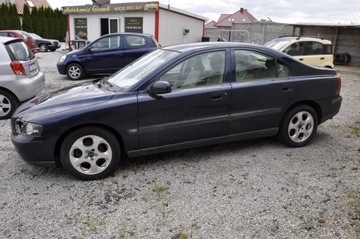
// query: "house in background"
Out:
[31,3]
[220,30]
[225,21]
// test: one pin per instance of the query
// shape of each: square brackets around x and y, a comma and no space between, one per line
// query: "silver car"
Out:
[20,75]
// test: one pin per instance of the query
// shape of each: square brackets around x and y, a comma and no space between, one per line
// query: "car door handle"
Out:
[286,89]
[301,59]
[218,96]
[322,58]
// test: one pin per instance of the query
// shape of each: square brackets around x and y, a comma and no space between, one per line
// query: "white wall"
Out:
[172,25]
[93,23]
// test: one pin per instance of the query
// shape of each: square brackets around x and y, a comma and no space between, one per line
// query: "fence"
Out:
[345,39]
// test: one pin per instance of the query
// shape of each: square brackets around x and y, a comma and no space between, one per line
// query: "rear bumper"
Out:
[27,88]
[330,108]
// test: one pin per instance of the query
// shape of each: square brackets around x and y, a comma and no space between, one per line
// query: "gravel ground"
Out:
[247,189]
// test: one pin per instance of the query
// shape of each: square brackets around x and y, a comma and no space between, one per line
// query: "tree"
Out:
[15,23]
[44,25]
[35,21]
[50,22]
[4,15]
[27,22]
[62,25]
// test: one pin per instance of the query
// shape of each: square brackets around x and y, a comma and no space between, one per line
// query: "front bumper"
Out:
[61,67]
[35,152]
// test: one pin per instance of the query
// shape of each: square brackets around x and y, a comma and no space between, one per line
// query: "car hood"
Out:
[70,98]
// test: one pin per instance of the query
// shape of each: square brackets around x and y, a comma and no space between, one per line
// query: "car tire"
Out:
[90,153]
[43,48]
[75,71]
[298,126]
[8,104]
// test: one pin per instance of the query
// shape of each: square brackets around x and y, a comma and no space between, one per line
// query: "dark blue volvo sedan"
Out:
[174,98]
[105,55]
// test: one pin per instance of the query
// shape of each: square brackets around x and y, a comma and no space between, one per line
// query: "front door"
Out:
[196,112]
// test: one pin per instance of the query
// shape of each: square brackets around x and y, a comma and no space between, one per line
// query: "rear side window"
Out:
[314,48]
[135,41]
[18,51]
[328,49]
[251,66]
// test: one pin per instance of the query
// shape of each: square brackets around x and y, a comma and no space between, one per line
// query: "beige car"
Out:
[313,51]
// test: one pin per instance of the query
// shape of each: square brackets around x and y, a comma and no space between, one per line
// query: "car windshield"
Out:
[133,73]
[35,36]
[277,44]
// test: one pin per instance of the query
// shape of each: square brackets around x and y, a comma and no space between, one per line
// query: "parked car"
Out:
[313,51]
[175,98]
[20,75]
[30,42]
[46,44]
[106,55]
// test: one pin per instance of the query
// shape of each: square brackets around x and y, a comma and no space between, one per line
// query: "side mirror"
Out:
[160,87]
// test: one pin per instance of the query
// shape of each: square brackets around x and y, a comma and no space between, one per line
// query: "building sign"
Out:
[134,24]
[80,28]
[113,8]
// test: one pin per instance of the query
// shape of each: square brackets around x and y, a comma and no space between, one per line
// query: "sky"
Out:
[284,11]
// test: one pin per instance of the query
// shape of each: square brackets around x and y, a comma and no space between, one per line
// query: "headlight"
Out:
[27,128]
[62,58]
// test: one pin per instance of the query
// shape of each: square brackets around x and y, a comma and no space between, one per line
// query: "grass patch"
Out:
[356,129]
[180,236]
[160,190]
[354,199]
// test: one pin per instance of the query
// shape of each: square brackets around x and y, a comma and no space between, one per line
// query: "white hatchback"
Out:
[311,50]
[20,75]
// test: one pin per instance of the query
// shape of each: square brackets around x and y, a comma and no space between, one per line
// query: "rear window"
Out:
[18,51]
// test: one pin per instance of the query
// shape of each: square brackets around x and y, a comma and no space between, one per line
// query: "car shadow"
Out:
[194,155]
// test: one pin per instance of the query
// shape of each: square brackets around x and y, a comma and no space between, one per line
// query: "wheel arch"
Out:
[10,92]
[60,140]
[312,104]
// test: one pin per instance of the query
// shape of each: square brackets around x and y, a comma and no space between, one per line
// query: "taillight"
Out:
[17,68]
[338,88]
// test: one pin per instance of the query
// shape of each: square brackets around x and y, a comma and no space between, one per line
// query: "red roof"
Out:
[36,3]
[210,25]
[241,16]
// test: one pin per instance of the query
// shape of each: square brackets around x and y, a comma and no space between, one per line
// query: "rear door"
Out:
[318,54]
[260,95]
[135,46]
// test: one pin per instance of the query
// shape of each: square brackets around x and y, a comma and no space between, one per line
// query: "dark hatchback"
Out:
[46,44]
[106,54]
[174,98]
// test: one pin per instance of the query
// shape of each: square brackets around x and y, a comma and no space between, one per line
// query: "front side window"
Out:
[295,49]
[200,70]
[251,66]
[106,44]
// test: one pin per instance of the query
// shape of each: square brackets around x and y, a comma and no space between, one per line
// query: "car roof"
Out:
[127,33]
[215,45]
[304,38]
[5,40]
